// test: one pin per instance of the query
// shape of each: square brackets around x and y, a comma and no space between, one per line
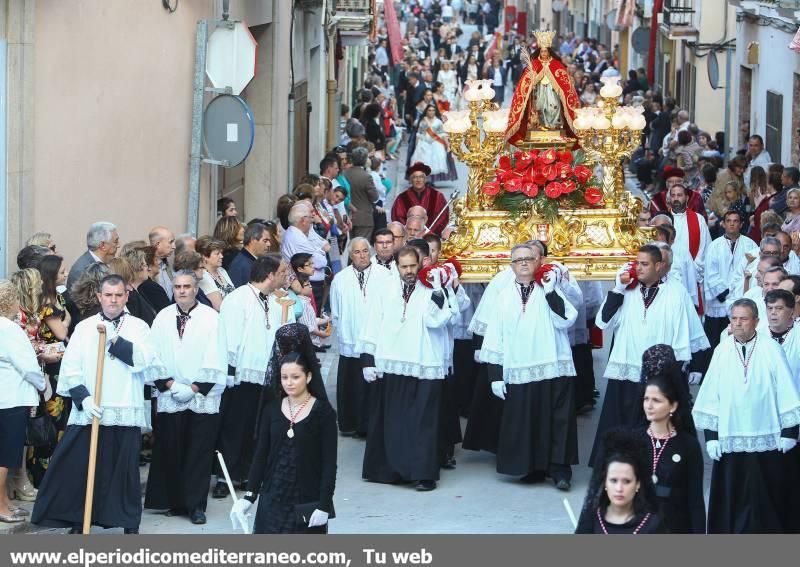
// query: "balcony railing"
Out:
[678,13]
[353,16]
[353,6]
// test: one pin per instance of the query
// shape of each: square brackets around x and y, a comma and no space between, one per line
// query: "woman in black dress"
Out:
[621,498]
[293,474]
[675,455]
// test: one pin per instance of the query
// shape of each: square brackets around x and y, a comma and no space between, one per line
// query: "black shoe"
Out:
[562,484]
[198,516]
[131,531]
[220,490]
[75,530]
[426,485]
[533,478]
[585,409]
[449,464]
[175,512]
[347,433]
[595,393]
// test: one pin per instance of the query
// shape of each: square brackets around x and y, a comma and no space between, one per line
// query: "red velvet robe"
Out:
[520,109]
[430,199]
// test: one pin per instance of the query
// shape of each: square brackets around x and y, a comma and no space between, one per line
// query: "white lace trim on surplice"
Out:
[410,369]
[126,417]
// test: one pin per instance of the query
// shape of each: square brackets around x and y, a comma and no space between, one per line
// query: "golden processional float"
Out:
[544,186]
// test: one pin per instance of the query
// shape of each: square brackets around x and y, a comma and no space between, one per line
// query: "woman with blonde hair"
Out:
[791,224]
[42,239]
[20,380]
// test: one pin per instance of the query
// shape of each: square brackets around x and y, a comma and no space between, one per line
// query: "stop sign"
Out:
[231,57]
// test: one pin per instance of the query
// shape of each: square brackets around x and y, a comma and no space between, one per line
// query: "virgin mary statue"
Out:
[545,98]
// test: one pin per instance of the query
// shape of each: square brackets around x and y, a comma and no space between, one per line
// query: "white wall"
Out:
[773,73]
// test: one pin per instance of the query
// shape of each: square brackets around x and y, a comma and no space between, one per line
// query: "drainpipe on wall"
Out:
[3,164]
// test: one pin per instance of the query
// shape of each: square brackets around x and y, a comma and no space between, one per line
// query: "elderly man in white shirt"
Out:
[757,155]
[300,238]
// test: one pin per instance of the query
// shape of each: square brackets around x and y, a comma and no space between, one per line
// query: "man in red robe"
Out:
[423,195]
[672,176]
[544,66]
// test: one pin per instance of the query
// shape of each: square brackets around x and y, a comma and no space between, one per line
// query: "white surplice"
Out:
[671,319]
[122,385]
[244,334]
[400,335]
[530,345]
[195,357]
[720,267]
[748,411]
[682,239]
[351,306]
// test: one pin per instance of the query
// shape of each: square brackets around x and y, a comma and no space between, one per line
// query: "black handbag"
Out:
[41,431]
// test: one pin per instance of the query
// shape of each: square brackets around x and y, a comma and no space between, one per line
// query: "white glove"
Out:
[714,450]
[181,393]
[695,377]
[318,518]
[619,287]
[785,444]
[436,279]
[239,515]
[549,281]
[370,373]
[91,408]
[499,389]
[476,356]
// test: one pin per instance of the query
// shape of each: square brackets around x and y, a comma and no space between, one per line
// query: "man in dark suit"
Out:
[102,241]
[363,194]
[414,94]
[256,244]
[452,48]
[515,56]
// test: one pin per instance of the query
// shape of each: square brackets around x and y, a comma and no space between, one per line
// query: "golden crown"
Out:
[544,39]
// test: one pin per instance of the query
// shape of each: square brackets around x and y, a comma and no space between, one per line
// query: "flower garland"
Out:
[545,180]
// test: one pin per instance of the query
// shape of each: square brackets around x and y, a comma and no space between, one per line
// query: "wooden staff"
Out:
[98,386]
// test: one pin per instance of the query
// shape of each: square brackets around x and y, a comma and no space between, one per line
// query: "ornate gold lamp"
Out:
[592,241]
[476,137]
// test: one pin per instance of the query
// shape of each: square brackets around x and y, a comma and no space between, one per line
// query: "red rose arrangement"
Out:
[546,179]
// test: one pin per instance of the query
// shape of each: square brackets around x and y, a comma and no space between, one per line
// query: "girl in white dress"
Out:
[431,147]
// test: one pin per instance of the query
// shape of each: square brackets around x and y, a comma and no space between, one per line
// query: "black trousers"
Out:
[352,400]
[183,457]
[237,431]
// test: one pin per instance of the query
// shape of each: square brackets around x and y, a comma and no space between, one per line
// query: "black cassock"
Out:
[485,411]
[117,489]
[402,443]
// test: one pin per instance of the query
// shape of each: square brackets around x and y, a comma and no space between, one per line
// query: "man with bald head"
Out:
[355,292]
[417,212]
[162,239]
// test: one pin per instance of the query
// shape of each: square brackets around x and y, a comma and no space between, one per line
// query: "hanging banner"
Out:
[393,29]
